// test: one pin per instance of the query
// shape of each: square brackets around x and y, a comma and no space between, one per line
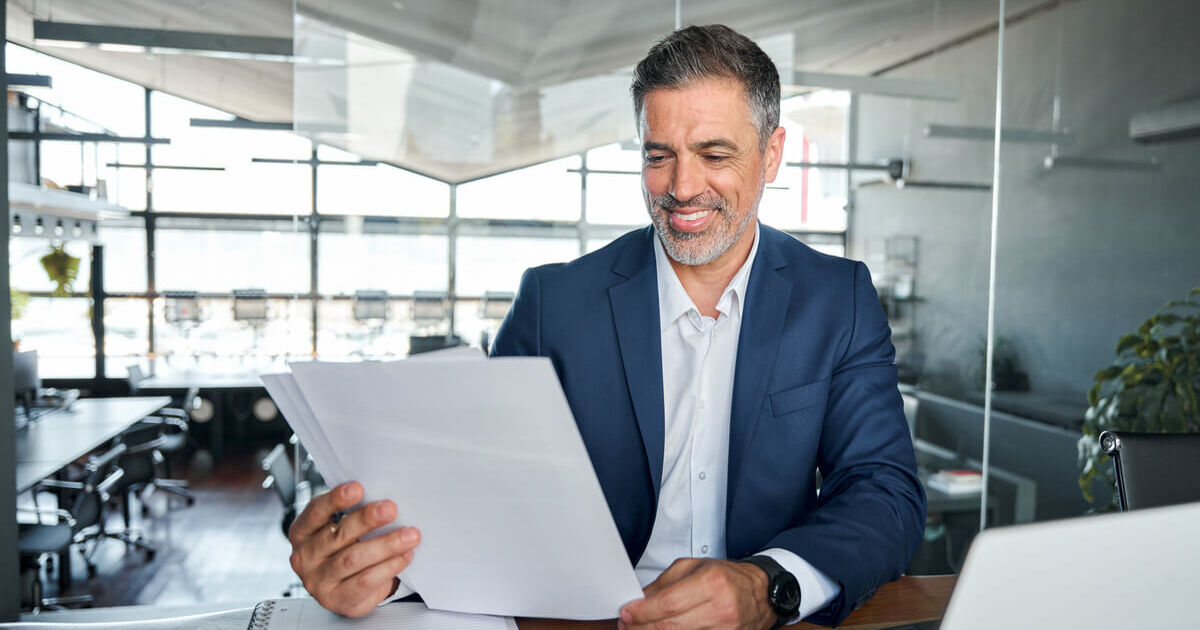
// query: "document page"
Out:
[307,614]
[485,458]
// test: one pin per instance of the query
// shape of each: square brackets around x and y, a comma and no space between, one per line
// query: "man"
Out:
[713,365]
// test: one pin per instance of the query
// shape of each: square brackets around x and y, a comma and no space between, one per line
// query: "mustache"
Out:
[667,201]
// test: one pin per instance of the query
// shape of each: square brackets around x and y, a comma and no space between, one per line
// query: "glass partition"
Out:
[1096,237]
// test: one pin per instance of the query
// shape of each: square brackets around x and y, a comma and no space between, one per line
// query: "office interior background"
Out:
[364,179]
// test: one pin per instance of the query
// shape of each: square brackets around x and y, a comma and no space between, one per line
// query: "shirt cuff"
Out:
[402,590]
[816,589]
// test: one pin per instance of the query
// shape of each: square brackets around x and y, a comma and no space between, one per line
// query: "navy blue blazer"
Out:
[815,387]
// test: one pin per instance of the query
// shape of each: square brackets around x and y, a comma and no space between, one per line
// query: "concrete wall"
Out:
[1084,255]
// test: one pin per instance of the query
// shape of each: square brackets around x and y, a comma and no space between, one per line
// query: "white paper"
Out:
[307,614]
[485,458]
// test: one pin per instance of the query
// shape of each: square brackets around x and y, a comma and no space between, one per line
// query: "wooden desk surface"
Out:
[907,600]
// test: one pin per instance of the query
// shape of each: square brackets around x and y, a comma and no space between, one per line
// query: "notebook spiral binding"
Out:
[261,618]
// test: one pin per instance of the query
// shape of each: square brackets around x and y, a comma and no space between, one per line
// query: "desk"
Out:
[905,601]
[219,385]
[60,437]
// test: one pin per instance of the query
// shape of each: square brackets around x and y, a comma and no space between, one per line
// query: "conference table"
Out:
[909,600]
[59,437]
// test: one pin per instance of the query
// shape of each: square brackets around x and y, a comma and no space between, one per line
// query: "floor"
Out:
[227,547]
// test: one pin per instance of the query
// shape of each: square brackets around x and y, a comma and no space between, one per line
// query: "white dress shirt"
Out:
[699,357]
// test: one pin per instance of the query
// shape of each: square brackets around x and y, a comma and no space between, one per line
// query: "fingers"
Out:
[358,557]
[669,602]
[320,510]
[362,592]
[678,570]
[357,524]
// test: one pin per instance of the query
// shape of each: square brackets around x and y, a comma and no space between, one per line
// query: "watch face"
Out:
[785,594]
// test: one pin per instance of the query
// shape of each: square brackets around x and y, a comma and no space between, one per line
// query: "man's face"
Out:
[702,171]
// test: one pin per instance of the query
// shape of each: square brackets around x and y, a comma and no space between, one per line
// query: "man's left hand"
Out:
[702,593]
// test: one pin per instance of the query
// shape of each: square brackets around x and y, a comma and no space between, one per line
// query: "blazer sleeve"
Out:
[870,514]
[520,332]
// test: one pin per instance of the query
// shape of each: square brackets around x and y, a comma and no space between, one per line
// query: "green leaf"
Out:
[1126,342]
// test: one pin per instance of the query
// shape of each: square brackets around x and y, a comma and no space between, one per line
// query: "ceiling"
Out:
[461,89]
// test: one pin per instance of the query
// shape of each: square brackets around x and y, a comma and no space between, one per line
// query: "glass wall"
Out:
[1096,235]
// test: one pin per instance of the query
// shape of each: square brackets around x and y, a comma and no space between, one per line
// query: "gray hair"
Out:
[700,52]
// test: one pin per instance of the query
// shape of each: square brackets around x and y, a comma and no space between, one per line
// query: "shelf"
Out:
[56,214]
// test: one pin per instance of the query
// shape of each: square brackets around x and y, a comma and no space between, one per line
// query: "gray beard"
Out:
[676,243]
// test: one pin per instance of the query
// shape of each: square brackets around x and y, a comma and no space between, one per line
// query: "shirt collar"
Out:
[673,300]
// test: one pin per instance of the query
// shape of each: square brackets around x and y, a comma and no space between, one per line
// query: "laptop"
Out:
[1136,569]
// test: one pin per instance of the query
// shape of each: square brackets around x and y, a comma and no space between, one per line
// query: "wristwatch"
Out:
[783,591]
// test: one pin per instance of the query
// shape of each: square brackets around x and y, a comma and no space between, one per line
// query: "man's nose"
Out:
[689,180]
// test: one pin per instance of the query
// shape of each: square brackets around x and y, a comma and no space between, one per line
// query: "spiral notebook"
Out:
[306,614]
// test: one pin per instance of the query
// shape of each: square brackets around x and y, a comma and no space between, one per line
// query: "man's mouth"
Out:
[691,221]
[691,216]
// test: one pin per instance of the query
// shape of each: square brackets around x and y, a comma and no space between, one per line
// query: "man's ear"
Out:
[773,157]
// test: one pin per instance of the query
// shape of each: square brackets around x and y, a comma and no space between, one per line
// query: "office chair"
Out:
[150,443]
[1154,469]
[282,479]
[81,523]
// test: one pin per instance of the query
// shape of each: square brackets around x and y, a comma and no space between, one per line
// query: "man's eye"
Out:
[655,159]
[716,158]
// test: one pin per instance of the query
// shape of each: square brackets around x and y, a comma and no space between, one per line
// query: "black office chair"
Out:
[80,523]
[151,443]
[1154,469]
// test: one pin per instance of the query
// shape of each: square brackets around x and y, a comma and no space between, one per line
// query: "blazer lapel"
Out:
[635,312]
[763,315]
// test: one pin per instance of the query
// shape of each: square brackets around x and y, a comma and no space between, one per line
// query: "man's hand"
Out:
[344,575]
[702,593]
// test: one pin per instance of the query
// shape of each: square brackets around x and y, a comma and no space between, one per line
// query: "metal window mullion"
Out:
[151,279]
[452,254]
[314,228]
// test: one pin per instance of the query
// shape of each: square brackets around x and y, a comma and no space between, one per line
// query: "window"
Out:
[379,190]
[496,264]
[398,264]
[545,192]
[219,256]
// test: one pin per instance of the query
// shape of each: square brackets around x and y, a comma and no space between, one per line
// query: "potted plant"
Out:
[62,269]
[1153,386]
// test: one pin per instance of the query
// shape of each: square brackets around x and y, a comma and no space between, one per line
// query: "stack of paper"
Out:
[484,457]
[956,481]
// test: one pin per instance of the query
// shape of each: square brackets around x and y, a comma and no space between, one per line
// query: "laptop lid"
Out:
[1127,570]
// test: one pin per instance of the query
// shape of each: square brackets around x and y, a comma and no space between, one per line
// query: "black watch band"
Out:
[783,591]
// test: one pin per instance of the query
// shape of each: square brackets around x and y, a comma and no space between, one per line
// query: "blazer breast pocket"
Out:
[810,397]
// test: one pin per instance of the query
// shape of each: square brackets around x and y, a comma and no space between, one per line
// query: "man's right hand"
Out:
[345,575]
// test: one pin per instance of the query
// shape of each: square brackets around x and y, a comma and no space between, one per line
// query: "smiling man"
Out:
[713,366]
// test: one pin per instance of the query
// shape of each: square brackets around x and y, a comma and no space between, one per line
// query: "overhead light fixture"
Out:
[240,123]
[27,80]
[495,304]
[1052,162]
[1176,121]
[250,305]
[153,40]
[895,168]
[1026,136]
[182,307]
[430,307]
[370,306]
[918,89]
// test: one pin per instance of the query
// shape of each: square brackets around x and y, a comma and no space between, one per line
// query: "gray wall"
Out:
[1084,255]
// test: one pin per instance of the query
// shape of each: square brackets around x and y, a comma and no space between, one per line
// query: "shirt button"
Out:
[701,404]
[704,549]
[703,475]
